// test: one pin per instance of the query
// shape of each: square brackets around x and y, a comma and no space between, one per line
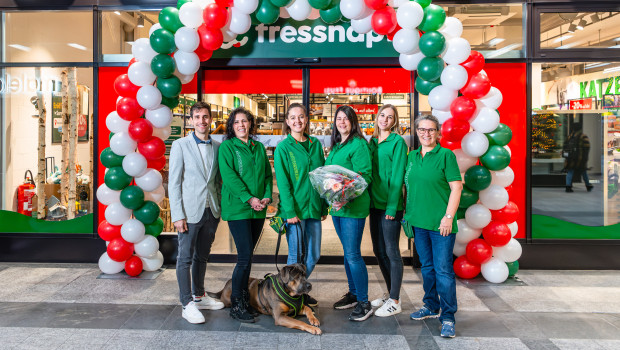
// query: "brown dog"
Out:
[264,297]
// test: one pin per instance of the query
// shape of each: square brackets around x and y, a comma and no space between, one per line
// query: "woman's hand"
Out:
[387,217]
[256,204]
[294,220]
[323,217]
[265,201]
[445,228]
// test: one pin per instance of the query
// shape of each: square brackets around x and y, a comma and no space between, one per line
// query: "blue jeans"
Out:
[246,234]
[312,230]
[350,232]
[569,177]
[435,253]
[385,235]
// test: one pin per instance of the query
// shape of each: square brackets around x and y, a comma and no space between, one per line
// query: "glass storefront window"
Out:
[119,29]
[47,36]
[573,30]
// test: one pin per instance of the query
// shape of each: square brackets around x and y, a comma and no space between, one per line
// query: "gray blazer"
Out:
[188,183]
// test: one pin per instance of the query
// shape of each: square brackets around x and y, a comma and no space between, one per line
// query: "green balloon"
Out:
[500,136]
[430,68]
[432,44]
[320,4]
[169,19]
[147,213]
[255,20]
[424,86]
[170,102]
[433,18]
[423,3]
[333,14]
[116,178]
[110,137]
[513,267]
[460,213]
[110,159]
[496,158]
[169,87]
[280,3]
[182,2]
[477,178]
[162,41]
[267,13]
[468,198]
[163,66]
[155,228]
[132,197]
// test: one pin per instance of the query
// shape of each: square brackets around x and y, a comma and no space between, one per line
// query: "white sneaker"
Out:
[205,302]
[380,301]
[390,308]
[192,314]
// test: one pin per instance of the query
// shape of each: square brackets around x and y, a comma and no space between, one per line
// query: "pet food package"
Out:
[337,184]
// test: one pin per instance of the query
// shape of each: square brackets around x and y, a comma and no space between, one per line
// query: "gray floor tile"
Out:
[302,341]
[577,326]
[421,342]
[381,342]
[217,320]
[342,341]
[149,317]
[467,343]
[577,344]
[539,344]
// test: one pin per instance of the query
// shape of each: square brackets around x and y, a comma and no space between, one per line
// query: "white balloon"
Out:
[162,133]
[185,79]
[454,76]
[187,39]
[142,50]
[363,25]
[190,14]
[153,264]
[147,247]
[187,62]
[485,120]
[246,6]
[398,3]
[477,216]
[441,115]
[463,160]
[109,266]
[148,96]
[240,22]
[299,10]
[514,228]
[116,214]
[140,74]
[409,15]
[474,144]
[133,231]
[441,97]
[134,164]
[150,181]
[353,9]
[494,270]
[510,252]
[228,35]
[155,196]
[115,124]
[466,234]
[154,27]
[509,150]
[107,196]
[457,51]
[502,178]
[205,3]
[160,116]
[451,28]
[405,41]
[122,144]
[494,197]
[493,99]
[459,249]
[410,62]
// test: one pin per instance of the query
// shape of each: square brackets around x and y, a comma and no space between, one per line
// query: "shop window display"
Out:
[120,29]
[575,30]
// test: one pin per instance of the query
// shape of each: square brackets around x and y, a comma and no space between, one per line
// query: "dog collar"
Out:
[295,303]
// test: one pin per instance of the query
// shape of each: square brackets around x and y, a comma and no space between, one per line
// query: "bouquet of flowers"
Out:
[337,184]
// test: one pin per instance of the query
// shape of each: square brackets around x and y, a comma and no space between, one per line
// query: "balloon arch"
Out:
[449,72]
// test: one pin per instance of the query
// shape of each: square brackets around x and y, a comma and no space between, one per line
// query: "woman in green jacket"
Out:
[350,150]
[389,158]
[246,192]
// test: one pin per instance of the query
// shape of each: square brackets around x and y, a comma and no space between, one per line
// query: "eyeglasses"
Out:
[428,131]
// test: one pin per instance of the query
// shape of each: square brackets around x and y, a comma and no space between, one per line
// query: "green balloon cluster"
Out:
[170,102]
[320,4]
[267,13]
[116,178]
[169,87]
[332,14]
[169,19]
[132,197]
[110,159]
[430,68]
[433,18]
[496,158]
[423,3]
[162,41]
[432,44]
[477,178]
[424,86]
[281,3]
[154,229]
[513,267]
[163,65]
[468,198]
[500,136]
[147,213]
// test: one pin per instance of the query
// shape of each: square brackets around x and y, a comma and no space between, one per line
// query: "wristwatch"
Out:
[448,216]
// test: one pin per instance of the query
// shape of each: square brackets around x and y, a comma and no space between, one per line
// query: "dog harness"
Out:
[296,304]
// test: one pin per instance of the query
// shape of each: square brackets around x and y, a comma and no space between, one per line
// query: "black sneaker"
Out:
[346,302]
[310,301]
[239,313]
[361,313]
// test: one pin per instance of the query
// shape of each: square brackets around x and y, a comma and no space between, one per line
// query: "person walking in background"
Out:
[195,210]
[434,185]
[350,150]
[246,192]
[389,157]
[575,152]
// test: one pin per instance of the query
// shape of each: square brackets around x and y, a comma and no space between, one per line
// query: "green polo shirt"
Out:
[428,191]
[389,159]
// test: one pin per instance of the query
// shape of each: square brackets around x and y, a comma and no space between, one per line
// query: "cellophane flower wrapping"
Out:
[337,184]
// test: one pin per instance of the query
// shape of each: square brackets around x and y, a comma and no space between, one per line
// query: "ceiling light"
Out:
[77,46]
[581,24]
[595,65]
[614,69]
[571,28]
[140,22]
[20,47]
[614,47]
[495,41]
[117,12]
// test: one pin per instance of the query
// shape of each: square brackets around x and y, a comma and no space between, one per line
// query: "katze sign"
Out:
[599,87]
[585,103]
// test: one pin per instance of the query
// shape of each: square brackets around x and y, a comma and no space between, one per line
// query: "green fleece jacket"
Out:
[246,173]
[389,159]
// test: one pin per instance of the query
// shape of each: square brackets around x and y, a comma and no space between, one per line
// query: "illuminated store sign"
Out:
[599,87]
[24,84]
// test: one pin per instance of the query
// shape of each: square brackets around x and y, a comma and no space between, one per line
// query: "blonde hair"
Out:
[394,126]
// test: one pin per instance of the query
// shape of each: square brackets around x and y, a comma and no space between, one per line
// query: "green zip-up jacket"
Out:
[353,155]
[246,173]
[292,163]
[389,159]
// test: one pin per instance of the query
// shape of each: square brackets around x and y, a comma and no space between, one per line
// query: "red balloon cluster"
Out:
[474,63]
[454,129]
[376,4]
[152,149]
[215,16]
[108,232]
[157,164]
[140,130]
[119,249]
[203,53]
[463,108]
[124,87]
[383,21]
[497,234]
[477,86]
[478,251]
[508,214]
[129,109]
[210,38]
[465,268]
[450,145]
[225,3]
[133,266]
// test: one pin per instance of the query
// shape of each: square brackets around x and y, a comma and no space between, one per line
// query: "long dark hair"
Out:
[230,132]
[356,131]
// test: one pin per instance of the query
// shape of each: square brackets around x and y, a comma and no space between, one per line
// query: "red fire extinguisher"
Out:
[25,192]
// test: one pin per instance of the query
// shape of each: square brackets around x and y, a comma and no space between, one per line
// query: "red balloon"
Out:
[478,251]
[132,61]
[153,148]
[215,16]
[384,20]
[390,36]
[129,109]
[497,234]
[108,232]
[465,268]
[463,107]
[210,38]
[477,86]
[120,250]
[133,266]
[376,4]
[450,145]
[508,214]
[156,164]
[224,3]
[124,87]
[203,54]
[454,129]
[510,190]
[474,63]
[140,129]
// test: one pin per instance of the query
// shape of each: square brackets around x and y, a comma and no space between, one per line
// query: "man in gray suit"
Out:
[195,195]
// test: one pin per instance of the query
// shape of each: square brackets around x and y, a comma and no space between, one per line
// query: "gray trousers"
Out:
[194,250]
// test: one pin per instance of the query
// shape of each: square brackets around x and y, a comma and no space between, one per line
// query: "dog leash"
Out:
[301,235]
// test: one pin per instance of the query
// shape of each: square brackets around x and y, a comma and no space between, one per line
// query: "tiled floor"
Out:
[56,306]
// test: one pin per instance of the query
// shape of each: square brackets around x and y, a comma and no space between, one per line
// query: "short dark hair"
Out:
[356,131]
[287,129]
[230,132]
[198,106]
